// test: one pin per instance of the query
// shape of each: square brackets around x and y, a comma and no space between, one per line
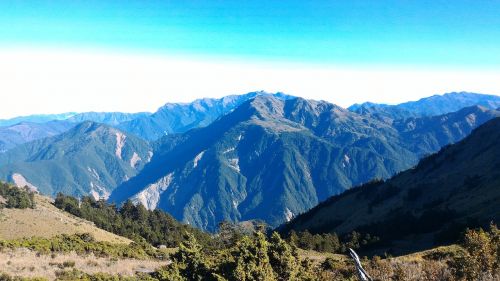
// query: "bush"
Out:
[68,264]
[14,197]
[80,244]
[481,257]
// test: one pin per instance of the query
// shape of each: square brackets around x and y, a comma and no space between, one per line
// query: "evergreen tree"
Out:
[191,261]
[284,260]
[252,260]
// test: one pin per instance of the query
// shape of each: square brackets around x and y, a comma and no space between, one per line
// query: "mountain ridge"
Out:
[427,106]
[303,150]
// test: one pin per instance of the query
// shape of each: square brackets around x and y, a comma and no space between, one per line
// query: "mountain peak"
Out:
[267,106]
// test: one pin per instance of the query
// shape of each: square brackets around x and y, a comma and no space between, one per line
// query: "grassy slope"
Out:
[47,221]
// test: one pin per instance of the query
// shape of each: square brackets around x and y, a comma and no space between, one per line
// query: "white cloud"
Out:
[58,80]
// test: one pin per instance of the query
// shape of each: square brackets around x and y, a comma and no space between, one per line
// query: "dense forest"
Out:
[159,228]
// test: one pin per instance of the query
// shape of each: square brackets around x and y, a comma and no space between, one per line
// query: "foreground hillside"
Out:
[237,254]
[427,205]
[47,221]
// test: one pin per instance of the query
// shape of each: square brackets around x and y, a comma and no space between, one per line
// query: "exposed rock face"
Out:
[20,181]
[120,142]
[134,160]
[150,196]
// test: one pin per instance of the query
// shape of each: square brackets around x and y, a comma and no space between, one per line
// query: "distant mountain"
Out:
[109,118]
[429,106]
[429,134]
[13,135]
[40,118]
[173,118]
[267,159]
[90,159]
[426,205]
[271,159]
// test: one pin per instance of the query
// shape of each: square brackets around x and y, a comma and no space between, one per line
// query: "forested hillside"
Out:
[428,205]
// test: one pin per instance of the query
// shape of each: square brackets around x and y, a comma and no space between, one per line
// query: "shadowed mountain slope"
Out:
[430,204]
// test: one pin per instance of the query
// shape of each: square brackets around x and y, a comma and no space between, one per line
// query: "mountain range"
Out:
[13,135]
[429,106]
[172,118]
[429,204]
[175,118]
[272,159]
[256,156]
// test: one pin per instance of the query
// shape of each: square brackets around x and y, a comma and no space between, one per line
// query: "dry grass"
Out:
[26,263]
[47,221]
[442,251]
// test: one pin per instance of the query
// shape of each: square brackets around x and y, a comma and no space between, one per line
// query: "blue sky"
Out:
[136,55]
[441,33]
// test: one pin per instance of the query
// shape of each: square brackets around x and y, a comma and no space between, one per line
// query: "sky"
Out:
[98,55]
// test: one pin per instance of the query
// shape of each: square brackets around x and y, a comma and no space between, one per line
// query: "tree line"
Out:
[132,221]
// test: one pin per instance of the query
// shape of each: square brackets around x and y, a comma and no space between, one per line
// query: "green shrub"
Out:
[68,264]
[14,197]
[82,244]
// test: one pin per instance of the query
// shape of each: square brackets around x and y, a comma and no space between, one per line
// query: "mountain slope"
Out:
[91,159]
[428,134]
[180,117]
[429,106]
[271,159]
[257,162]
[13,135]
[457,187]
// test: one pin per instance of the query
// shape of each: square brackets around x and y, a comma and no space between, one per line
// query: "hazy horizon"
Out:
[60,56]
[200,98]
